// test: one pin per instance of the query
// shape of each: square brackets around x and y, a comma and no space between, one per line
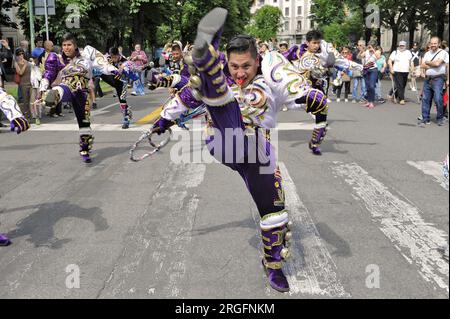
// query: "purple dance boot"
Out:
[86,141]
[317,138]
[274,240]
[127,116]
[4,241]
[210,84]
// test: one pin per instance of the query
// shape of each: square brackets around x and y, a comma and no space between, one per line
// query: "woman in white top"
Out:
[369,59]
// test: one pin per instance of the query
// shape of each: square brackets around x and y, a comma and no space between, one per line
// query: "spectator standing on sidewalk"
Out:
[415,73]
[400,62]
[23,68]
[370,72]
[344,76]
[435,64]
[357,76]
[139,58]
[381,66]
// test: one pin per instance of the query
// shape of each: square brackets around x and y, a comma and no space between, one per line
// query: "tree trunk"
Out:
[367,31]
[394,37]
[412,31]
[138,24]
[440,26]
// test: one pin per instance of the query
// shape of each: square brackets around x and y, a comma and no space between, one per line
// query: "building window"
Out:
[286,26]
[299,11]
[299,25]
[261,2]
[286,12]
[275,1]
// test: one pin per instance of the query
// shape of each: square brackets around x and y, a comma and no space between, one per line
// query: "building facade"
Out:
[14,36]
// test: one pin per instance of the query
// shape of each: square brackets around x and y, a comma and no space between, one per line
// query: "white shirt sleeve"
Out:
[97,60]
[8,106]
[173,109]
[445,58]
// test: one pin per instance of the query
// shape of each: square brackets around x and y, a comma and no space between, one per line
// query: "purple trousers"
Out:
[260,176]
[80,103]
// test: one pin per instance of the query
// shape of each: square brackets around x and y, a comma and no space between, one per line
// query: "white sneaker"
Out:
[414,89]
[338,100]
[133,93]
[284,109]
[346,100]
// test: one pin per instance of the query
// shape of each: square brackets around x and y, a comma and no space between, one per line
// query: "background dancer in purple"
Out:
[120,81]
[76,71]
[313,59]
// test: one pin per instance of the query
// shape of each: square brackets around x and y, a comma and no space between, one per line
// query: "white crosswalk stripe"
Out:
[295,126]
[314,272]
[419,242]
[433,169]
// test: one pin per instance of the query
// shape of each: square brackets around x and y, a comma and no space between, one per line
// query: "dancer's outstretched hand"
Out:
[19,125]
[161,126]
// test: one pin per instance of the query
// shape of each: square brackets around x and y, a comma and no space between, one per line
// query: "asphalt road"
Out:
[370,215]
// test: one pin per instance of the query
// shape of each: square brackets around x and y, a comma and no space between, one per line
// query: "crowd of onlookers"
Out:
[400,67]
[28,68]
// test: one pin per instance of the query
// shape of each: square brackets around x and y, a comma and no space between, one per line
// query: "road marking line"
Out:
[433,169]
[150,117]
[315,272]
[102,110]
[419,242]
[73,127]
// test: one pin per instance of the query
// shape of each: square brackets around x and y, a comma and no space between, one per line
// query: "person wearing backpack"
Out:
[400,62]
[435,64]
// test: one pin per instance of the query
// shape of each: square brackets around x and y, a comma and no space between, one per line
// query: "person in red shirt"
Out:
[139,59]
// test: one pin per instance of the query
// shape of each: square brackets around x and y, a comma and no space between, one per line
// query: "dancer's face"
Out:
[115,58]
[283,48]
[176,55]
[243,67]
[69,48]
[313,45]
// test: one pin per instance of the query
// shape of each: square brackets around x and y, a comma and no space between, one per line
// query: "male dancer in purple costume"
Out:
[76,71]
[313,59]
[18,123]
[180,72]
[120,81]
[239,98]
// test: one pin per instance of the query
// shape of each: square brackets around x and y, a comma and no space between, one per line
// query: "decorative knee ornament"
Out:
[275,237]
[86,143]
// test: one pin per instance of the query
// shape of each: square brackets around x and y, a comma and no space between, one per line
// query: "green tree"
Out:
[4,18]
[327,12]
[265,23]
[435,16]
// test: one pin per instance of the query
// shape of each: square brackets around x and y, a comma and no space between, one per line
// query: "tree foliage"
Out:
[265,23]
[104,23]
[4,18]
